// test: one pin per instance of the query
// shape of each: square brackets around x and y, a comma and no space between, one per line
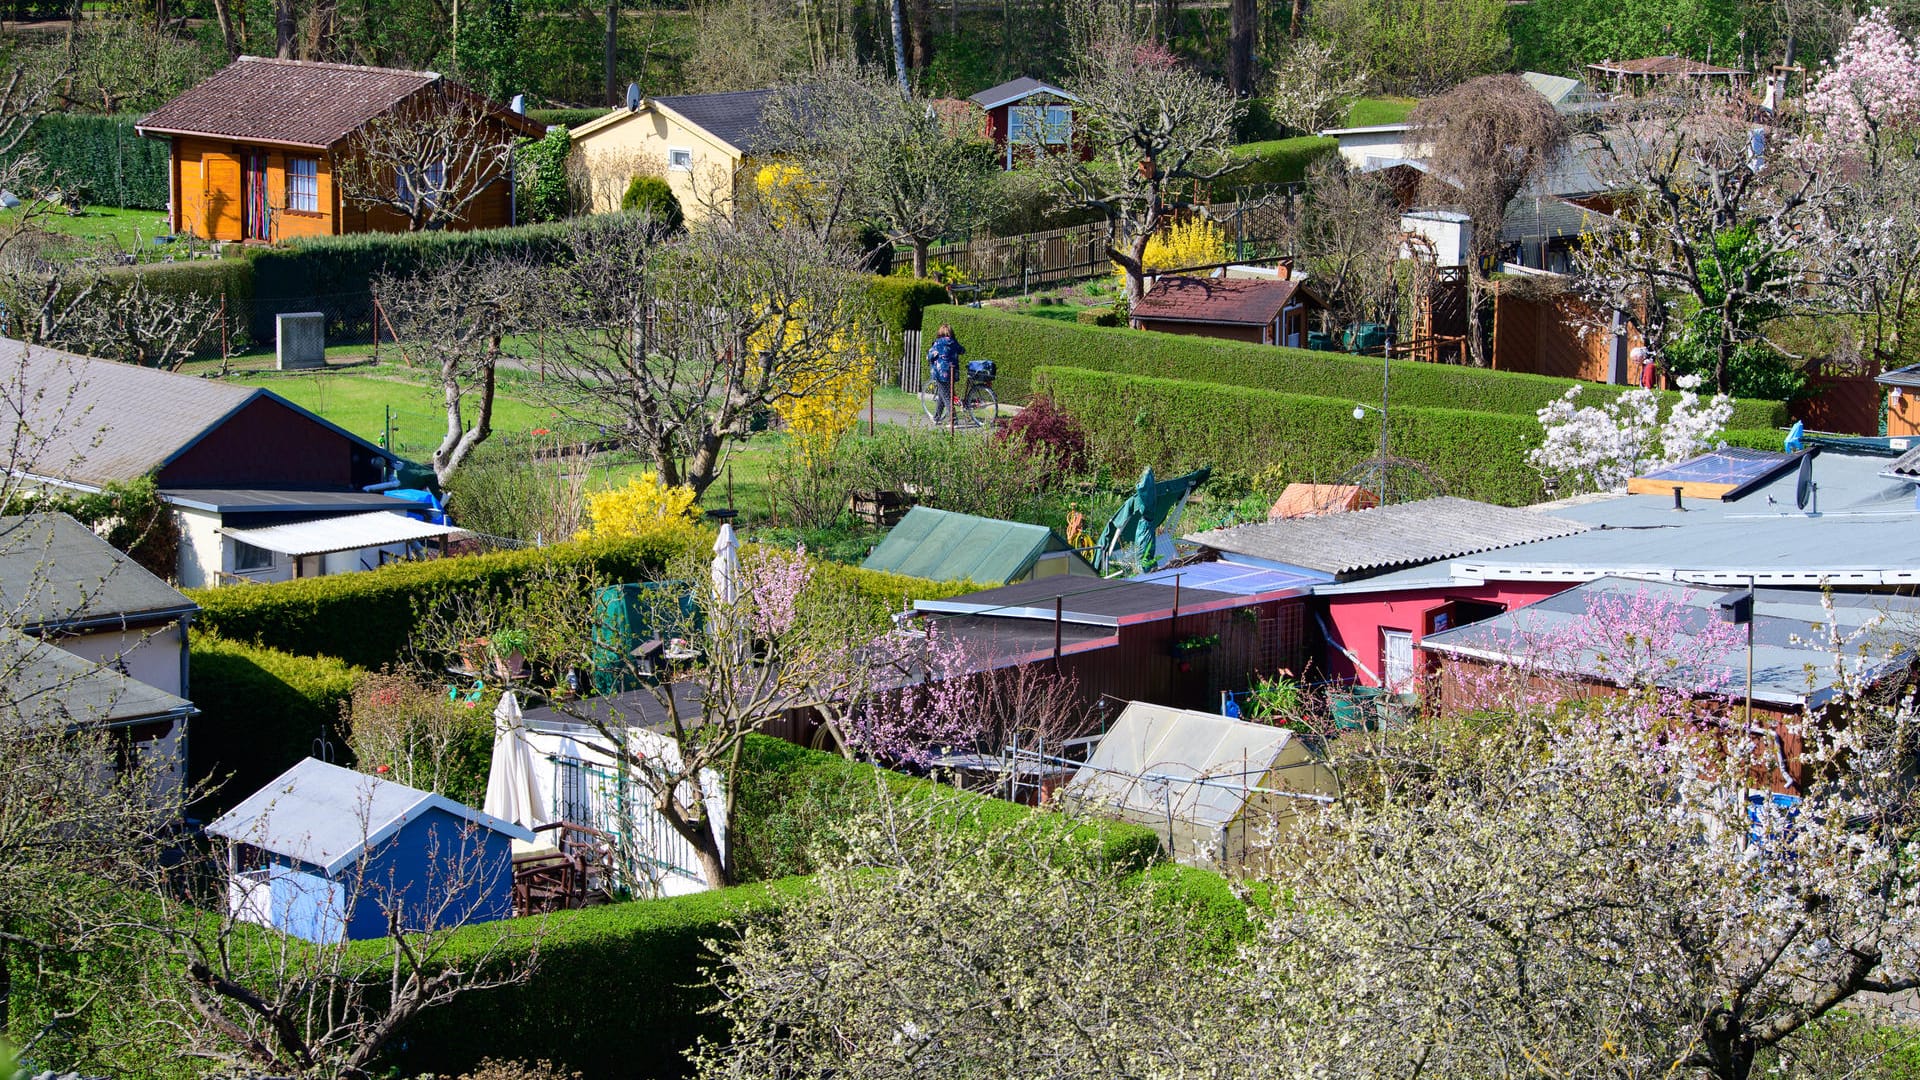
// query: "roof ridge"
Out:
[248,59]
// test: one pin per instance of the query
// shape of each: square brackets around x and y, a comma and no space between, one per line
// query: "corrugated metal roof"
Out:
[325,816]
[54,572]
[1195,766]
[940,545]
[1906,466]
[51,688]
[1387,536]
[324,536]
[1790,665]
[302,103]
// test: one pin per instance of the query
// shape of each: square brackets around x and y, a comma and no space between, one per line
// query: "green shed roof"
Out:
[940,545]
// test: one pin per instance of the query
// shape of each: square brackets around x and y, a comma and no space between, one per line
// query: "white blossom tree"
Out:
[1600,447]
[1312,88]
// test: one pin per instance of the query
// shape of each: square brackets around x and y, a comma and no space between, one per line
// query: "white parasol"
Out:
[511,792]
[726,566]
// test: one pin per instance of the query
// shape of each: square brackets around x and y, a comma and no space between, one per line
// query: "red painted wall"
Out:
[1356,620]
[266,444]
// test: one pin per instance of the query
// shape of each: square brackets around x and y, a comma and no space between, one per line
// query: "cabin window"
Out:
[1049,125]
[680,160]
[247,558]
[303,185]
[424,185]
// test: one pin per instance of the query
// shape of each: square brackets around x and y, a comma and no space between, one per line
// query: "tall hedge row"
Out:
[1021,343]
[899,302]
[1175,425]
[261,711]
[366,618]
[103,157]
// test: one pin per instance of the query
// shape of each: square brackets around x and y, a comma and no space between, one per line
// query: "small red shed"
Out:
[1240,309]
[1026,113]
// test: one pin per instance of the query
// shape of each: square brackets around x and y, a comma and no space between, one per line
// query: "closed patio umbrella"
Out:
[511,794]
[726,566]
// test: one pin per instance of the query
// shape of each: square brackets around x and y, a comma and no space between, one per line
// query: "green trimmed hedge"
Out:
[1021,343]
[260,712]
[899,302]
[1176,425]
[366,618]
[567,118]
[1279,161]
[104,157]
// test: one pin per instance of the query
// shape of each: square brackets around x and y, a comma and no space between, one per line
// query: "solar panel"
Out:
[1726,473]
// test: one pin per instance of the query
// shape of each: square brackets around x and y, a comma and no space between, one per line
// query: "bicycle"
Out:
[975,404]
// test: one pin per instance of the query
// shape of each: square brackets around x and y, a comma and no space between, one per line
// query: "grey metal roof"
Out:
[732,117]
[940,545]
[47,687]
[1013,90]
[325,816]
[1906,466]
[1786,671]
[1906,377]
[1088,601]
[266,501]
[1389,536]
[1557,89]
[1848,484]
[55,573]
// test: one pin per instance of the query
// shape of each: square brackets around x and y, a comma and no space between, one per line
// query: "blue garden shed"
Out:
[325,853]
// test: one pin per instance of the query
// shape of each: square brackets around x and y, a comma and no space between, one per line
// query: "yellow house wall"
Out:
[611,157]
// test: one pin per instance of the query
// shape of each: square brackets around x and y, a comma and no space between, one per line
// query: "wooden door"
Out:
[225,197]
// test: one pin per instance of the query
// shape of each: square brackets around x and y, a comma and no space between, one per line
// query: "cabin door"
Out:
[258,224]
[225,196]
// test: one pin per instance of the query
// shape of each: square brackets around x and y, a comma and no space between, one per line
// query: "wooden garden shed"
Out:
[256,147]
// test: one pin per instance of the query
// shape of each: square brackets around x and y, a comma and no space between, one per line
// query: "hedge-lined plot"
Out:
[1021,343]
[261,711]
[1280,438]
[102,158]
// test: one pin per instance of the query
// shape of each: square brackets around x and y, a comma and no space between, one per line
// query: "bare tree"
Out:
[428,162]
[1349,239]
[1711,257]
[1151,129]
[451,321]
[901,161]
[1483,141]
[678,345]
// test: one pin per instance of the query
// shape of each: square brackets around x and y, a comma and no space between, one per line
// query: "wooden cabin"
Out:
[256,148]
[1026,113]
[1265,312]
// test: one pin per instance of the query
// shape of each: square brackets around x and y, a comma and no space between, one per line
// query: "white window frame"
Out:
[674,156]
[1389,668]
[303,185]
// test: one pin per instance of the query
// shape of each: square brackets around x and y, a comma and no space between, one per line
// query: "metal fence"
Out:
[913,364]
[648,851]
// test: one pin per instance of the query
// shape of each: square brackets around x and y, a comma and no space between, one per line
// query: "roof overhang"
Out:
[350,532]
[152,132]
[1050,91]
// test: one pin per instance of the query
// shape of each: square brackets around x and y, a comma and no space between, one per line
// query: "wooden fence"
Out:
[913,364]
[1841,397]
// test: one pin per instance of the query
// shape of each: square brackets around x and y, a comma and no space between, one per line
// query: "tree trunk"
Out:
[283,29]
[1476,348]
[922,34]
[614,96]
[704,466]
[1243,18]
[223,15]
[920,246]
[1297,22]
[460,440]
[1132,262]
[898,10]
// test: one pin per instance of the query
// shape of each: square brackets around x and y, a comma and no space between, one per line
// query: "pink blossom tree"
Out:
[1873,88]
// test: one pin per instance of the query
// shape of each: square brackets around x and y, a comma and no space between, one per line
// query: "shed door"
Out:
[1397,659]
[226,197]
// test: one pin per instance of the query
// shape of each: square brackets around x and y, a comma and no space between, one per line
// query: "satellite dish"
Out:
[519,104]
[633,97]
[1803,490]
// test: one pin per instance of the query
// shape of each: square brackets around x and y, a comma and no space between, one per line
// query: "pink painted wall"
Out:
[1357,620]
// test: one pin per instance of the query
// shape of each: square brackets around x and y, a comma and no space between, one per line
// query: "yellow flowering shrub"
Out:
[1192,242]
[786,190]
[644,507]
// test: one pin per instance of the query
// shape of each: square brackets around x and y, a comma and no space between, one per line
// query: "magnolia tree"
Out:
[1601,447]
[1871,88]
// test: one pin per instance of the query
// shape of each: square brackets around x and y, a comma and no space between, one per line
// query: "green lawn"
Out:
[1376,111]
[125,230]
[358,399]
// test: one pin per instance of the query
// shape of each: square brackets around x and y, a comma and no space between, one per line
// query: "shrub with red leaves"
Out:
[1043,428]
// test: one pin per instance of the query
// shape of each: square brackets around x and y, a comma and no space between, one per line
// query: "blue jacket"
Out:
[942,356]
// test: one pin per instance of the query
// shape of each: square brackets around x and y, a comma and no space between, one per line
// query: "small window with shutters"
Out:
[303,185]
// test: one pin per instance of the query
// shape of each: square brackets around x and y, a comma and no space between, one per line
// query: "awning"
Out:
[353,532]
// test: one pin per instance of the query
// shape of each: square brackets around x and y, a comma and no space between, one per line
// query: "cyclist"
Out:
[943,359]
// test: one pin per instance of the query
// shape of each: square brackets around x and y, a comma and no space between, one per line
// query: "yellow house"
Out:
[699,142]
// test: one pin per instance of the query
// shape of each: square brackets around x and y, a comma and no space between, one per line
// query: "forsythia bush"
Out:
[1193,242]
[786,189]
[645,507]
[824,406]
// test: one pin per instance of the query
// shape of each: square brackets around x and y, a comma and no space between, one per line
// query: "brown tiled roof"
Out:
[1238,301]
[1660,66]
[1314,500]
[295,102]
